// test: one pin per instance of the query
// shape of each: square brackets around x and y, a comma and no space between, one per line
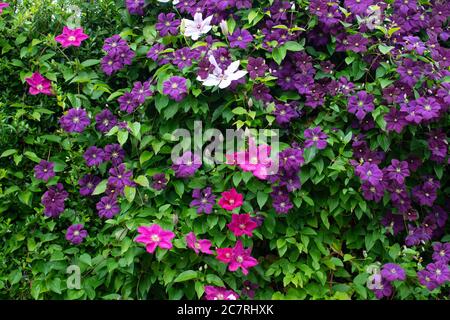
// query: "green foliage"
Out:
[320,250]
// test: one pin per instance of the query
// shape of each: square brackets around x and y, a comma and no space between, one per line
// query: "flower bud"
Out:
[224,27]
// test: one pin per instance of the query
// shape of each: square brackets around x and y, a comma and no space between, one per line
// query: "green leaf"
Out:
[214,279]
[199,289]
[15,276]
[122,136]
[142,181]
[261,198]
[8,152]
[100,188]
[32,156]
[161,101]
[35,289]
[278,54]
[293,46]
[25,197]
[86,258]
[171,110]
[179,187]
[186,275]
[130,193]
[239,111]
[384,49]
[324,218]
[145,156]
[90,63]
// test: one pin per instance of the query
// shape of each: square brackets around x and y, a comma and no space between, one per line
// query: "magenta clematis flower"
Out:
[224,254]
[256,160]
[237,257]
[242,224]
[198,245]
[39,84]
[3,5]
[71,37]
[154,236]
[219,293]
[231,200]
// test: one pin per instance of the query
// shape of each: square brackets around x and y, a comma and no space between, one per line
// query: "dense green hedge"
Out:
[334,236]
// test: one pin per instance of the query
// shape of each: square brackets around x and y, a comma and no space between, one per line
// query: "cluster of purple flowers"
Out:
[389,272]
[436,273]
[118,54]
[392,178]
[95,156]
[53,200]
[432,226]
[118,178]
[438,145]
[287,178]
[130,101]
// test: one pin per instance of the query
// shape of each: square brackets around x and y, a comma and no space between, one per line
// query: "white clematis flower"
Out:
[175,2]
[222,78]
[196,28]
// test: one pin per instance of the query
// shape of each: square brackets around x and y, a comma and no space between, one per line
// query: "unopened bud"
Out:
[250,102]
[224,27]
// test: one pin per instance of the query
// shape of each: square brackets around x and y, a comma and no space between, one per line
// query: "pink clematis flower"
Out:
[219,293]
[39,84]
[71,37]
[154,236]
[231,199]
[259,162]
[256,160]
[237,258]
[242,224]
[201,245]
[224,254]
[3,5]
